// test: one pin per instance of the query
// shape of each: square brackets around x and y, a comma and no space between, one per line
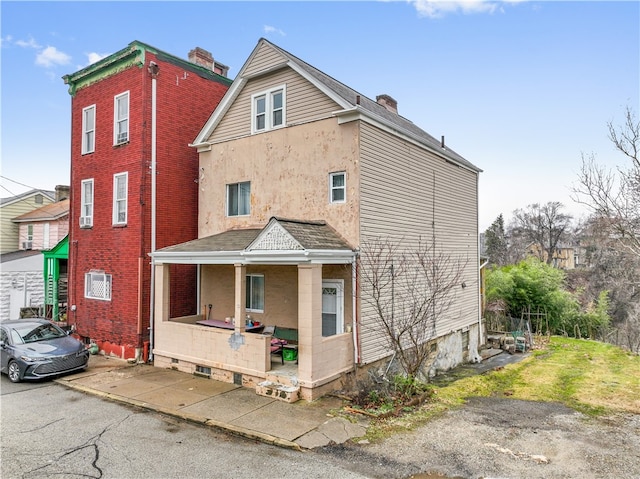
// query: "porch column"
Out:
[240,312]
[162,293]
[309,318]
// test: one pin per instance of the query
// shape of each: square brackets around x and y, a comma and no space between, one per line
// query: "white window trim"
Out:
[116,199]
[86,129]
[227,203]
[332,188]
[86,221]
[268,109]
[339,285]
[116,120]
[92,276]
[253,310]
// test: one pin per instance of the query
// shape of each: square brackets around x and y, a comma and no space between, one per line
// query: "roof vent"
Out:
[388,102]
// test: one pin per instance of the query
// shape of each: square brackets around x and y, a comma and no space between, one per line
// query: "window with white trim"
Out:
[239,199]
[88,129]
[255,293]
[268,109]
[337,187]
[97,285]
[29,232]
[120,198]
[121,118]
[86,204]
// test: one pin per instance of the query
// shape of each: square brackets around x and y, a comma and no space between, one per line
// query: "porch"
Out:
[294,289]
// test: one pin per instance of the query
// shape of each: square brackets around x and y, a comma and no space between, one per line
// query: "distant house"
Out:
[296,172]
[44,227]
[565,255]
[134,184]
[15,206]
[22,282]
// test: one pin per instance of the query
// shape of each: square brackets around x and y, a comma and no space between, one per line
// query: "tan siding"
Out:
[10,231]
[304,103]
[264,58]
[408,193]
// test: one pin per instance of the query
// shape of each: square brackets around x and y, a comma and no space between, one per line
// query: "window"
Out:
[97,285]
[86,209]
[337,187]
[239,199]
[88,129]
[39,199]
[29,232]
[121,119]
[268,110]
[120,199]
[255,293]
[332,307]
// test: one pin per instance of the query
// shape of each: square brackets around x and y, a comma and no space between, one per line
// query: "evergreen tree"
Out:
[496,243]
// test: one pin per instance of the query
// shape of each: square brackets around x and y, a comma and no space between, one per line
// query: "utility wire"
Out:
[18,183]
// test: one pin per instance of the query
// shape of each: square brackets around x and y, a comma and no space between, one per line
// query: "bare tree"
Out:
[614,197]
[409,291]
[545,226]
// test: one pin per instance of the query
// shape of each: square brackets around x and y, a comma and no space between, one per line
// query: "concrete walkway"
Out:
[235,409]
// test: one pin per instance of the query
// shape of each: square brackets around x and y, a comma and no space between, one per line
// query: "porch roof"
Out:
[281,241]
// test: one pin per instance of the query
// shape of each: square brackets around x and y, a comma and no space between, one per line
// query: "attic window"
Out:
[268,109]
[38,199]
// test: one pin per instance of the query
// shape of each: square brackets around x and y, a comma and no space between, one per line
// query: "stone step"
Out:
[286,378]
[282,392]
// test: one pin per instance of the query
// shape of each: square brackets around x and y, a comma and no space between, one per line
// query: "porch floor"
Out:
[286,373]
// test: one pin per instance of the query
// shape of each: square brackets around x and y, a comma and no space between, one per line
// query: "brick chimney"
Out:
[62,192]
[388,102]
[202,57]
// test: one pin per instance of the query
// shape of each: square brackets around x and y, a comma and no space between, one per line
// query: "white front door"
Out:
[332,307]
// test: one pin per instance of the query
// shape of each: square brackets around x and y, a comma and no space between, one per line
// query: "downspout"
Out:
[480,334]
[354,311]
[153,70]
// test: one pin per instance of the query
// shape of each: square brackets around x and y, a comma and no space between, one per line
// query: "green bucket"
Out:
[289,354]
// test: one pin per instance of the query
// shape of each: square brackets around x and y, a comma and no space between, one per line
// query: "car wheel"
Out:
[13,372]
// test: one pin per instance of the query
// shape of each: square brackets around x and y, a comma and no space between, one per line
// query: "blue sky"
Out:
[521,89]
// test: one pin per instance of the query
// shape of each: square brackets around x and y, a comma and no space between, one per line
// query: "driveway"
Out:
[504,438]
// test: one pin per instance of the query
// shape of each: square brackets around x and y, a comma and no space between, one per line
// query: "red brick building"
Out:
[133,116]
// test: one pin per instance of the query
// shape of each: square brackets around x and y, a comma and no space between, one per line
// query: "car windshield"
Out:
[33,332]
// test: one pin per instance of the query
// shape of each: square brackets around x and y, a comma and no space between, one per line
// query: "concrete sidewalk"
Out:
[229,407]
[236,409]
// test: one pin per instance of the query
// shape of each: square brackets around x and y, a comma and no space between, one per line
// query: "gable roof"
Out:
[50,212]
[281,241]
[354,104]
[13,199]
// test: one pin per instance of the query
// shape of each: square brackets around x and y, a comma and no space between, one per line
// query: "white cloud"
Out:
[269,29]
[95,57]
[439,8]
[51,56]
[31,43]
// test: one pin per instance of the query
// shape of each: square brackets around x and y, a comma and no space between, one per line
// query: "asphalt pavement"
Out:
[233,408]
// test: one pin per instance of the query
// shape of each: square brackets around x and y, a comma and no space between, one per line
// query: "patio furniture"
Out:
[217,323]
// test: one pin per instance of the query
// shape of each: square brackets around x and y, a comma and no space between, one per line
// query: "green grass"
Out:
[591,377]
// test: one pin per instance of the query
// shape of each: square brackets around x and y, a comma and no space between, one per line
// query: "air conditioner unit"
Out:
[123,137]
[86,221]
[27,244]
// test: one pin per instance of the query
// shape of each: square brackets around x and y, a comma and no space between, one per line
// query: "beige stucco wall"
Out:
[182,344]
[289,174]
[281,292]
